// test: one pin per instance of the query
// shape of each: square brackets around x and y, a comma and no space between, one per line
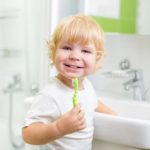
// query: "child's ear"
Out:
[97,66]
[99,60]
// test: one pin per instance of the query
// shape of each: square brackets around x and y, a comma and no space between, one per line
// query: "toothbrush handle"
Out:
[75,101]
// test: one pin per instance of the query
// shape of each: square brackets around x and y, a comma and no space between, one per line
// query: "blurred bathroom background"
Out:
[26,25]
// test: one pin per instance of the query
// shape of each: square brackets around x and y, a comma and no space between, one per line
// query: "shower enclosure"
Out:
[24,30]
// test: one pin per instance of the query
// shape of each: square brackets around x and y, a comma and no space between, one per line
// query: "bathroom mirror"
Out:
[120,16]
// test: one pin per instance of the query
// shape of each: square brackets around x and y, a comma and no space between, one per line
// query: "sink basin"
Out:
[131,127]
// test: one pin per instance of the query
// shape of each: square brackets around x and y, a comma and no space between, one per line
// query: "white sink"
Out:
[131,127]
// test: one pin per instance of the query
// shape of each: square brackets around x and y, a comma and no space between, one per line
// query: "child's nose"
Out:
[75,55]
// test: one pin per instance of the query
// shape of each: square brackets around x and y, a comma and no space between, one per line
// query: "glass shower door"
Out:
[12,73]
[24,67]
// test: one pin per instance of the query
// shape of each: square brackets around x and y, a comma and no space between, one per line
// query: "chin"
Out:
[72,76]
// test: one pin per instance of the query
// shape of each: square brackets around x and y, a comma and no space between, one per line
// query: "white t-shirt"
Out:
[56,99]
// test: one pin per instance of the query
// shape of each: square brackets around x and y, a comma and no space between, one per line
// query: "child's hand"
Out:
[71,121]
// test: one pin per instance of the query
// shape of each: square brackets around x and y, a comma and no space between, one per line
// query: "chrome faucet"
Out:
[14,85]
[136,84]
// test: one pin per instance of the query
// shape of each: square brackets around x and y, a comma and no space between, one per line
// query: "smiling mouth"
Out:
[73,66]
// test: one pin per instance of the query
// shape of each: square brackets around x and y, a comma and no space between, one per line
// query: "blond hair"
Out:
[78,28]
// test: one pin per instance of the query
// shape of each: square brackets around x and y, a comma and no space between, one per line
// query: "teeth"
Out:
[72,66]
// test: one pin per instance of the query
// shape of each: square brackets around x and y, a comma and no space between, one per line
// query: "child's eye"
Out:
[66,48]
[86,51]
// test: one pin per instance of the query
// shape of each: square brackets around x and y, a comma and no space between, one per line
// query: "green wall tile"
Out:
[127,21]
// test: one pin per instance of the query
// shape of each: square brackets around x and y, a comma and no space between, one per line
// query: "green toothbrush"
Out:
[75,85]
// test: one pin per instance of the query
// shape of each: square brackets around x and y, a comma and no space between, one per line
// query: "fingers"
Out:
[82,124]
[80,117]
[77,109]
[72,121]
[81,114]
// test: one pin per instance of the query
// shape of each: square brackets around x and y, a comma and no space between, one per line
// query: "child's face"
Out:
[75,60]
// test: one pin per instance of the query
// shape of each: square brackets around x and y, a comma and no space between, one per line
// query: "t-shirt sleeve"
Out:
[44,109]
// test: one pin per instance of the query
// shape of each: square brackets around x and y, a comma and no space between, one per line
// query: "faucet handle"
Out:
[124,64]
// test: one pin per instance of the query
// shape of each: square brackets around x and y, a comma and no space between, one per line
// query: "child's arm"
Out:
[102,108]
[39,133]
